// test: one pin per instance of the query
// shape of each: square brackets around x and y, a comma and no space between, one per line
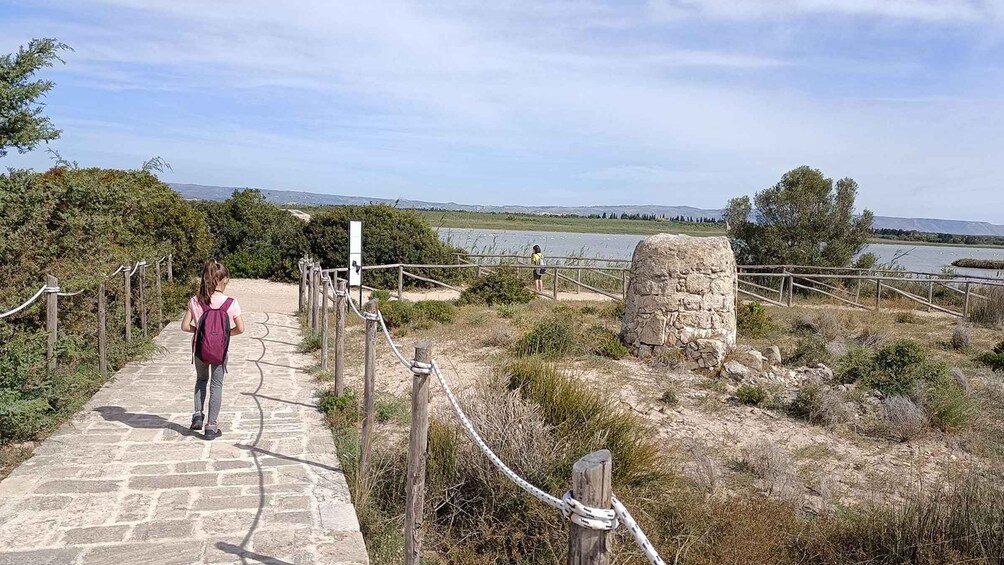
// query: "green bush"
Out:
[382,295]
[898,367]
[669,398]
[390,236]
[397,313]
[994,359]
[753,321]
[256,239]
[809,350]
[906,318]
[552,337]
[857,365]
[507,311]
[751,394]
[501,286]
[340,411]
[948,405]
[437,311]
[605,343]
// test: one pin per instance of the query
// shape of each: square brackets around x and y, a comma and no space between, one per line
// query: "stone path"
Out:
[126,483]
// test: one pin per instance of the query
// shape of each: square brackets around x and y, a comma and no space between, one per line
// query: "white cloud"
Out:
[920,10]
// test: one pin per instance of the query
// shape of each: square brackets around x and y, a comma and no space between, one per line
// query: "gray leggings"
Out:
[215,389]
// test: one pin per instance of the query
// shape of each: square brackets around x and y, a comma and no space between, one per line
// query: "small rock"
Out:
[751,358]
[774,355]
[737,371]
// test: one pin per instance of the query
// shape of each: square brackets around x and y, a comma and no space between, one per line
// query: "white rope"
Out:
[28,302]
[397,353]
[136,268]
[354,309]
[639,536]
[70,293]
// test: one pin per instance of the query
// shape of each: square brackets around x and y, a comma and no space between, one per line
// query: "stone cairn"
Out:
[681,298]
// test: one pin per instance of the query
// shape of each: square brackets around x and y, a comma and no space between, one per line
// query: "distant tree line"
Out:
[930,237]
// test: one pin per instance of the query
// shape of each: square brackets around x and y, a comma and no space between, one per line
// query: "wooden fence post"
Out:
[170,268]
[930,293]
[369,378]
[578,279]
[142,299]
[102,331]
[400,282]
[418,442]
[592,486]
[127,295]
[324,322]
[965,306]
[302,297]
[310,295]
[317,297]
[160,299]
[555,292]
[857,292]
[791,289]
[878,294]
[51,318]
[624,284]
[341,296]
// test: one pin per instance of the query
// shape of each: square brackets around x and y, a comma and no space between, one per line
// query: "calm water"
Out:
[926,258]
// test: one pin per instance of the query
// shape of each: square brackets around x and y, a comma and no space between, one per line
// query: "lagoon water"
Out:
[925,258]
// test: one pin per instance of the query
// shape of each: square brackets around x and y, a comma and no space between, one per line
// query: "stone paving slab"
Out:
[126,483]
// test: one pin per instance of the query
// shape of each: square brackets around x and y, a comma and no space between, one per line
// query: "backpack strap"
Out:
[226,304]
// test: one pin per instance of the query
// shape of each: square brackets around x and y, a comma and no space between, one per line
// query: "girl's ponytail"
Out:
[212,274]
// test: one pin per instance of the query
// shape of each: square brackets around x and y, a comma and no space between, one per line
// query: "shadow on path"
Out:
[245,554]
[283,400]
[142,421]
[261,451]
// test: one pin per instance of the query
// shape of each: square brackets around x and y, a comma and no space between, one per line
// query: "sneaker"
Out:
[196,422]
[212,432]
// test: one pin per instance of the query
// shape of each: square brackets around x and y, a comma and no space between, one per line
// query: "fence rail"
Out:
[589,505]
[52,292]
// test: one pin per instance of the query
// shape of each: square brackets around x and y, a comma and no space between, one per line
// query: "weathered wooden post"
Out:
[142,299]
[857,291]
[160,299]
[324,322]
[127,295]
[624,284]
[369,379]
[400,282]
[965,305]
[51,318]
[592,486]
[791,288]
[555,292]
[170,268]
[578,278]
[878,293]
[341,296]
[930,294]
[301,297]
[317,296]
[310,295]
[418,442]
[102,331]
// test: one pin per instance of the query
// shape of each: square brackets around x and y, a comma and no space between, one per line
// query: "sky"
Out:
[536,102]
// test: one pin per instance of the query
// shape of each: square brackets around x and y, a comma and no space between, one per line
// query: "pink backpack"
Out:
[212,337]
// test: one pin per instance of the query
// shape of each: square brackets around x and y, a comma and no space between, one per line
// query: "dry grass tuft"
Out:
[962,336]
[774,467]
[909,420]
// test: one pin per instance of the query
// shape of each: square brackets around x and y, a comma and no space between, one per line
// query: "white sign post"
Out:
[356,254]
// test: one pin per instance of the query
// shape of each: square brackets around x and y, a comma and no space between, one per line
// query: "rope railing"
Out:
[588,517]
[28,302]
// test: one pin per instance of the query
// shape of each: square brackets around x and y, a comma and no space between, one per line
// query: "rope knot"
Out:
[420,368]
[342,293]
[586,516]
[375,317]
[51,289]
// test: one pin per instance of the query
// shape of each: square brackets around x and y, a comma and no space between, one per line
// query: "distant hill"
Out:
[291,197]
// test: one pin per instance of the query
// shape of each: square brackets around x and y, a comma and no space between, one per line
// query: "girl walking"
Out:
[214,318]
[537,260]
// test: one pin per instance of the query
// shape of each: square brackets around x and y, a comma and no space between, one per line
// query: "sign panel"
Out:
[355,253]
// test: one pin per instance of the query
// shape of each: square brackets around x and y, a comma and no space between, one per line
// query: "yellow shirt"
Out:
[537,258]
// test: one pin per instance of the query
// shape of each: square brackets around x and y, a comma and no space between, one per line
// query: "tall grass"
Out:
[988,312]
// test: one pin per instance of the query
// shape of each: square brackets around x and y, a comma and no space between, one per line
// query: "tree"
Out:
[802,220]
[22,125]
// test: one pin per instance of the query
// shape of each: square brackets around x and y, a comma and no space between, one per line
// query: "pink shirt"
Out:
[195,307]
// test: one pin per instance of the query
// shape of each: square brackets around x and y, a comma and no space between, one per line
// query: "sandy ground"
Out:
[264,296]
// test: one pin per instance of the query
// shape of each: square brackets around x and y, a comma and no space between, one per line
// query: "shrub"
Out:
[825,324]
[501,286]
[340,411]
[669,397]
[908,419]
[256,239]
[605,343]
[962,336]
[614,310]
[507,311]
[994,359]
[906,318]
[437,311]
[551,337]
[382,295]
[809,350]
[311,341]
[391,236]
[753,321]
[774,466]
[589,310]
[950,408]
[900,366]
[397,313]
[856,365]
[751,394]
[819,404]
[989,312]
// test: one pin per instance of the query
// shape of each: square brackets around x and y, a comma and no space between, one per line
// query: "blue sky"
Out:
[676,102]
